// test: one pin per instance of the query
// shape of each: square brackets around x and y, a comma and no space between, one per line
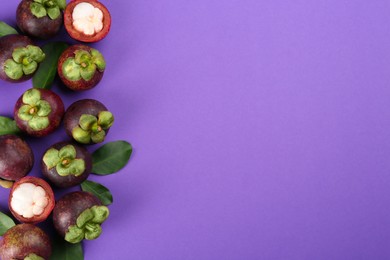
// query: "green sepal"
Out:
[74,234]
[13,70]
[33,257]
[84,217]
[87,121]
[51,158]
[43,107]
[23,112]
[92,231]
[31,97]
[35,53]
[88,72]
[38,123]
[61,4]
[98,59]
[30,68]
[38,10]
[38,1]
[67,152]
[81,135]
[54,12]
[105,119]
[75,167]
[98,137]
[71,70]
[19,53]
[81,56]
[100,213]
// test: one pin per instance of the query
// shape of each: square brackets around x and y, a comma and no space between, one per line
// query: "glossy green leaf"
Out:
[5,29]
[8,126]
[111,157]
[5,223]
[47,70]
[63,250]
[98,190]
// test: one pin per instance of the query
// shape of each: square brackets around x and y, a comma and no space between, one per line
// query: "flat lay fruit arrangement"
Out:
[60,196]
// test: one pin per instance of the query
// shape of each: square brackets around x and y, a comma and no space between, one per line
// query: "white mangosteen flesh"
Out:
[29,200]
[87,18]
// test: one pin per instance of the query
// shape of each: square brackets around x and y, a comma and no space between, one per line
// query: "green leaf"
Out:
[47,70]
[8,126]
[5,223]
[111,157]
[5,29]
[63,250]
[98,190]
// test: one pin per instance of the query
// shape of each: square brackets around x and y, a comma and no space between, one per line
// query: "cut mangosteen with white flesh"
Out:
[79,215]
[16,158]
[88,121]
[66,164]
[38,112]
[19,58]
[81,67]
[31,200]
[25,241]
[40,18]
[87,20]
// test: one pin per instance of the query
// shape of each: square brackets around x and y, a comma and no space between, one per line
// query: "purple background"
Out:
[261,129]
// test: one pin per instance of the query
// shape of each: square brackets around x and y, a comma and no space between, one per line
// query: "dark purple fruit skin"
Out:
[16,158]
[7,45]
[78,108]
[55,116]
[70,180]
[42,28]
[69,207]
[78,85]
[24,239]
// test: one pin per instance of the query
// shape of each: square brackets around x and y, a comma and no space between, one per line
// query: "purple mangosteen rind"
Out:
[16,158]
[88,121]
[79,215]
[19,58]
[38,112]
[66,164]
[23,241]
[40,19]
[81,67]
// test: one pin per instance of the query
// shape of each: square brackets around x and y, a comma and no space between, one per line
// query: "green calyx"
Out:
[34,110]
[64,160]
[33,257]
[51,8]
[24,61]
[92,128]
[83,65]
[87,224]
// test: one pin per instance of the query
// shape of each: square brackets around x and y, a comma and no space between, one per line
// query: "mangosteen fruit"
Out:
[31,200]
[16,158]
[79,215]
[88,121]
[81,67]
[38,112]
[66,164]
[40,18]
[87,20]
[19,58]
[25,241]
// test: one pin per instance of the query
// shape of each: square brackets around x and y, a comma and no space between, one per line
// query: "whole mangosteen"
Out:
[31,200]
[25,241]
[66,164]
[88,121]
[38,112]
[79,215]
[16,158]
[40,18]
[81,67]
[87,20]
[19,58]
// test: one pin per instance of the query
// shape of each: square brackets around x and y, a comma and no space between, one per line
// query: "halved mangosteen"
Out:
[31,200]
[16,158]
[88,121]
[40,18]
[81,67]
[79,215]
[38,112]
[66,164]
[87,20]
[25,241]
[19,58]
